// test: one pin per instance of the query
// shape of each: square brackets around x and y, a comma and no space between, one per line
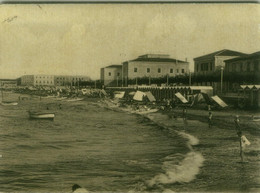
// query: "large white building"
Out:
[37,80]
[149,65]
[52,80]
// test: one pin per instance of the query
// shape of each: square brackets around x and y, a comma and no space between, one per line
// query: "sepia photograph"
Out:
[129,97]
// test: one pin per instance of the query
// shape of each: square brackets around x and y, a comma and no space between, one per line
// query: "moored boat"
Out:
[75,99]
[9,103]
[41,115]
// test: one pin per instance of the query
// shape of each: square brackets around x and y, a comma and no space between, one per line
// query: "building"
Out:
[52,80]
[248,63]
[153,66]
[111,75]
[70,80]
[207,64]
[242,70]
[37,80]
[8,83]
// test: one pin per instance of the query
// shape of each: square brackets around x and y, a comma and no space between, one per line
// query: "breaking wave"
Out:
[185,171]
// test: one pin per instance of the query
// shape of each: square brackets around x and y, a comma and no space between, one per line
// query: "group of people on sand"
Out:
[243,141]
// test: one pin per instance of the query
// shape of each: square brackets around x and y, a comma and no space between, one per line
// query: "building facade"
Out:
[242,70]
[153,66]
[111,75]
[52,80]
[70,80]
[8,83]
[207,64]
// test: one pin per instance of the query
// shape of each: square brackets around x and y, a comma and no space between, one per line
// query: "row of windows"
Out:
[44,77]
[240,67]
[148,70]
[44,82]
[205,67]
[109,74]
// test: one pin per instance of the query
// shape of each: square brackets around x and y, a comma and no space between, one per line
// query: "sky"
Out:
[79,39]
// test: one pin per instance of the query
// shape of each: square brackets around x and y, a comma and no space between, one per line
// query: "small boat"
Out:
[41,115]
[9,103]
[75,99]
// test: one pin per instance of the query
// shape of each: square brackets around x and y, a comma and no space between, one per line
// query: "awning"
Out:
[119,94]
[219,101]
[139,96]
[179,95]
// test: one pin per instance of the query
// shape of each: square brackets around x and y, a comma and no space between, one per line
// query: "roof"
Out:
[224,52]
[249,56]
[114,66]
[156,60]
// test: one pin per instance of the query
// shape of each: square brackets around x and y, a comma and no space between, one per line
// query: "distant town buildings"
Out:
[37,80]
[8,83]
[70,80]
[52,80]
[149,65]
[206,64]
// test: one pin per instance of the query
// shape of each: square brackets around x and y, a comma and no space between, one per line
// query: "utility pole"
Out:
[221,81]
[117,81]
[167,79]
[189,78]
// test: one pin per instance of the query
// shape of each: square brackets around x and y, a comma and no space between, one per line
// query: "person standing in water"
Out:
[237,124]
[184,114]
[210,119]
[243,142]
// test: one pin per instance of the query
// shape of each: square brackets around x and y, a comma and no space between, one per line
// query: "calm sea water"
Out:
[99,148]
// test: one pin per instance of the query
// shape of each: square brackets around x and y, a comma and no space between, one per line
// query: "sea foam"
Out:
[185,171]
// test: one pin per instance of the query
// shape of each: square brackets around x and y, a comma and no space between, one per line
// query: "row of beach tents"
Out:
[197,98]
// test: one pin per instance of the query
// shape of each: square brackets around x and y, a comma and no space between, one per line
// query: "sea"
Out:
[103,149]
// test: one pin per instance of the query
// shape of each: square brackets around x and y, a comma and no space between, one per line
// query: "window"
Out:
[171,70]
[148,70]
[159,70]
[211,66]
[135,69]
[241,67]
[109,74]
[182,70]
[118,74]
[40,81]
[48,82]
[197,67]
[36,81]
[177,70]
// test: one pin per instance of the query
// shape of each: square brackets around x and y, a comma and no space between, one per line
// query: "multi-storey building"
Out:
[154,66]
[51,80]
[111,75]
[8,83]
[207,64]
[242,70]
[37,80]
[248,63]
[70,80]
[149,65]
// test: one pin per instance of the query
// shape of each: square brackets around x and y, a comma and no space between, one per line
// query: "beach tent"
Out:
[139,96]
[119,94]
[206,98]
[131,93]
[182,98]
[219,101]
[150,96]
[103,92]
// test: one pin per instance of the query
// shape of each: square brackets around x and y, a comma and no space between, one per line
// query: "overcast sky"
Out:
[80,39]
